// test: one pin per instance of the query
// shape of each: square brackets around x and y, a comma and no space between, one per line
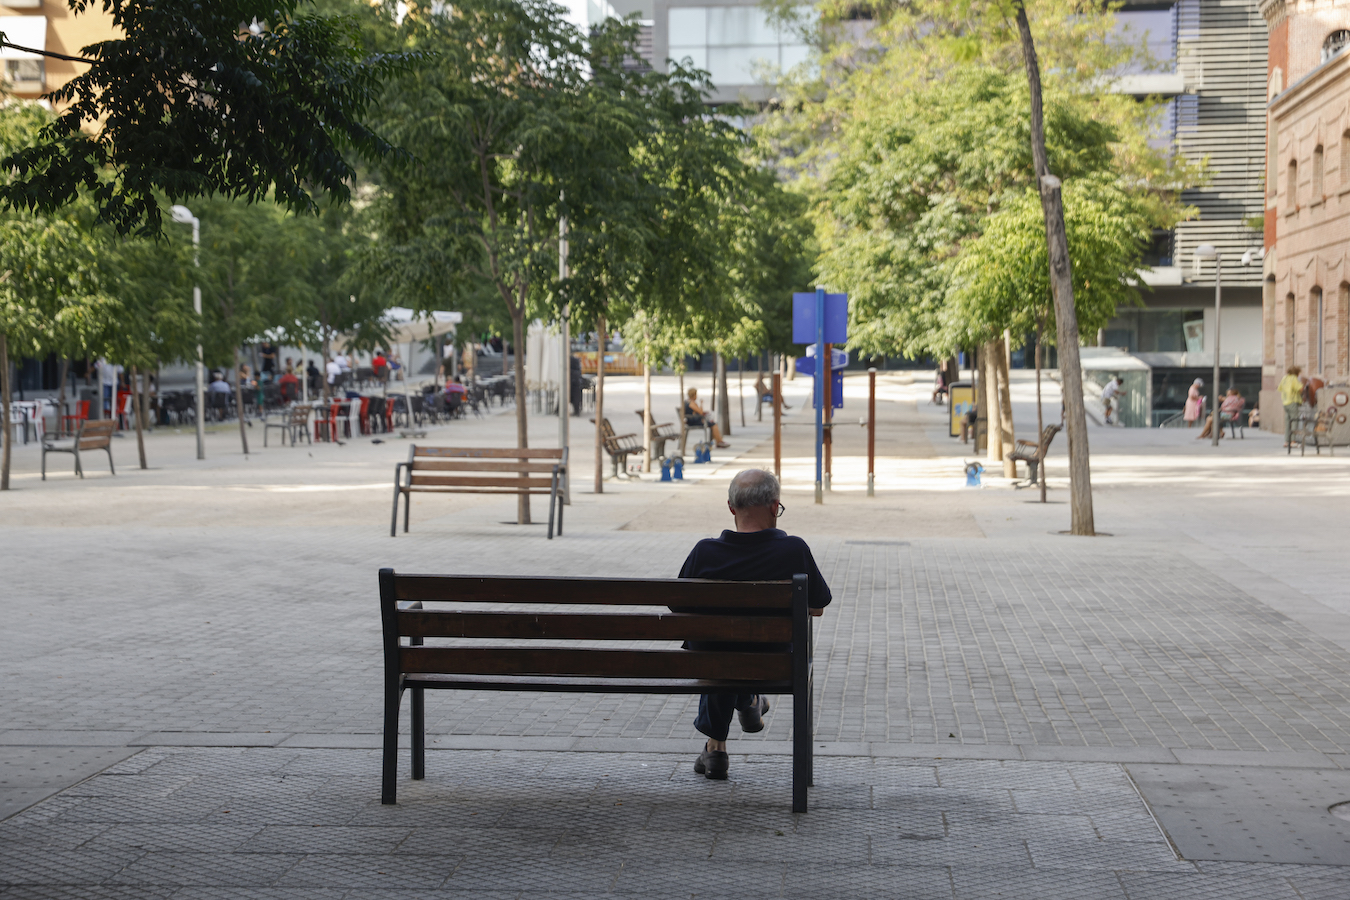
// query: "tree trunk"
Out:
[1040,418]
[740,387]
[600,405]
[522,411]
[724,400]
[647,413]
[6,427]
[239,403]
[137,402]
[1061,283]
[993,410]
[759,379]
[61,394]
[1005,407]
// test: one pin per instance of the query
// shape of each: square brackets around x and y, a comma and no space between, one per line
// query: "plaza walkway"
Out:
[190,701]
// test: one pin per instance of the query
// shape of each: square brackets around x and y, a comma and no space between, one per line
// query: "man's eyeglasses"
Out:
[780,510]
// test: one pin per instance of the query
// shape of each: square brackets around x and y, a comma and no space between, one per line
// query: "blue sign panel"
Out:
[836,391]
[804,318]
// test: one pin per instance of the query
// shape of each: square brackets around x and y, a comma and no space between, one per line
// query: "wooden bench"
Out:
[661,435]
[1034,454]
[772,613]
[294,421]
[475,470]
[90,434]
[619,447]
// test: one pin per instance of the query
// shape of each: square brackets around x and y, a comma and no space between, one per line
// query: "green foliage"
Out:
[189,105]
[911,146]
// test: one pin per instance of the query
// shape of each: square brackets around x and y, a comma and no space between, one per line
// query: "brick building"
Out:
[1306,297]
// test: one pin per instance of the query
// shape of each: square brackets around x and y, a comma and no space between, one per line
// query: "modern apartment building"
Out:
[46,25]
[1214,61]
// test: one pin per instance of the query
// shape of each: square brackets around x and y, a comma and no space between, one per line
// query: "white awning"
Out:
[26,31]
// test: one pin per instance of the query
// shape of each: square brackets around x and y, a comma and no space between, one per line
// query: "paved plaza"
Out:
[191,696]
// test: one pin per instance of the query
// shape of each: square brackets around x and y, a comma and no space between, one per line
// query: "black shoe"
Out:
[713,764]
[752,719]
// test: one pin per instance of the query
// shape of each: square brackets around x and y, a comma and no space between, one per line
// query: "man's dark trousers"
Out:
[715,712]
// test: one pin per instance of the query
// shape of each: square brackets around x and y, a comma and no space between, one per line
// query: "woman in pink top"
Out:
[1195,403]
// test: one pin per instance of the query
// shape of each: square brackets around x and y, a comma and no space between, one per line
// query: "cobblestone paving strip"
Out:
[523,824]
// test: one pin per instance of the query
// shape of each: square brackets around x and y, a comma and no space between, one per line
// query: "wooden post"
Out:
[778,424]
[1008,438]
[871,431]
[136,406]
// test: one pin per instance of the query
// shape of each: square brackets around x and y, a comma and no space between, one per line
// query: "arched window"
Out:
[1316,319]
[1343,330]
[1291,186]
[1268,321]
[1345,159]
[1289,305]
[1317,180]
[1335,43]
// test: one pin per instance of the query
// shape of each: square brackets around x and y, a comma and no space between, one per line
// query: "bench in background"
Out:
[90,434]
[476,470]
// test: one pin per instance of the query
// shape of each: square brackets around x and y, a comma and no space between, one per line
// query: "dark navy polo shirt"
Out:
[768,555]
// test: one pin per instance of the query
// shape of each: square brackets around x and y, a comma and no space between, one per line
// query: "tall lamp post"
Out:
[1207,251]
[183,216]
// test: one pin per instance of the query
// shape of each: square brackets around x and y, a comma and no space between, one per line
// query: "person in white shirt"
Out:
[344,364]
[334,369]
[1112,390]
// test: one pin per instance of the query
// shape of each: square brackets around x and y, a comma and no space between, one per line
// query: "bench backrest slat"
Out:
[503,480]
[600,591]
[95,434]
[596,663]
[424,464]
[593,626]
[487,452]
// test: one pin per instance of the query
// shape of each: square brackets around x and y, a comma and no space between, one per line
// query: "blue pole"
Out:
[822,372]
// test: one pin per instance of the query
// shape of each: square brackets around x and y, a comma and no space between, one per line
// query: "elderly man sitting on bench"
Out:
[757,550]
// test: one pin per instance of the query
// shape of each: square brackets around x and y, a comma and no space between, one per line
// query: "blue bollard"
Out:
[973,470]
[665,470]
[679,468]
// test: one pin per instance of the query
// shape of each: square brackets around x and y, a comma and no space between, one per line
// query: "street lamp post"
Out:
[1207,251]
[183,216]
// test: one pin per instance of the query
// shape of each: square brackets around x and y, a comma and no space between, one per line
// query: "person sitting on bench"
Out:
[757,550]
[766,393]
[695,417]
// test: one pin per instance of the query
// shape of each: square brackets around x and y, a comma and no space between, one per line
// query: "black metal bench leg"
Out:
[111,467]
[389,785]
[393,522]
[801,747]
[552,503]
[419,734]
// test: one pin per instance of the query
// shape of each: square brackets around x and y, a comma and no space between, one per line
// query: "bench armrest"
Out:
[818,612]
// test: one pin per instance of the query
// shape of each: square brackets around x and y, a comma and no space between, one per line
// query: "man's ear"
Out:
[731,508]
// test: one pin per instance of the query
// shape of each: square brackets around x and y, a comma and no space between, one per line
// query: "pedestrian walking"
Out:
[1195,403]
[1291,395]
[1112,390]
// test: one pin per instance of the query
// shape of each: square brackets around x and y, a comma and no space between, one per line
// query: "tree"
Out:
[50,293]
[189,103]
[928,132]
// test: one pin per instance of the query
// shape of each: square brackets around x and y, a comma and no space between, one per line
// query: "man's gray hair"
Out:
[751,488]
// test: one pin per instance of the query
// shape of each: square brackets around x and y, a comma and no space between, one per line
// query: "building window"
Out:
[25,74]
[1345,160]
[1315,330]
[1317,184]
[1156,30]
[1289,304]
[1273,157]
[1343,330]
[735,44]
[1291,185]
[1335,43]
[1268,322]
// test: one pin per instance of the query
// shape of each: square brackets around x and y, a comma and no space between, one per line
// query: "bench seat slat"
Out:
[595,626]
[488,452]
[421,480]
[600,591]
[470,489]
[593,685]
[624,664]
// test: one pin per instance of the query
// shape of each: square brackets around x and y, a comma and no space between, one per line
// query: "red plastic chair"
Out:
[70,423]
